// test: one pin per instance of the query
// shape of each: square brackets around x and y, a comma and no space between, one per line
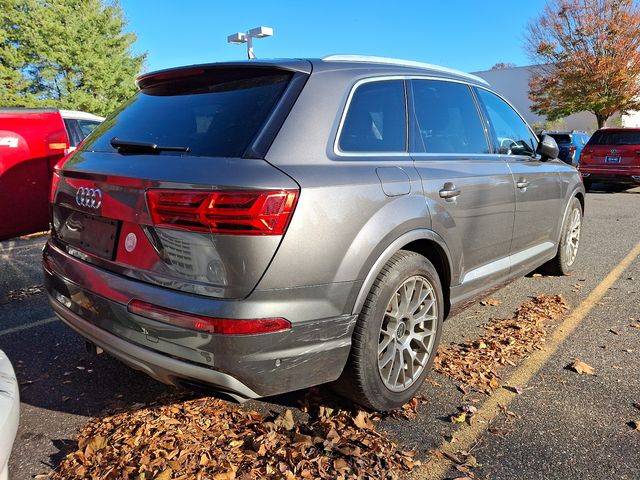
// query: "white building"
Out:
[513,84]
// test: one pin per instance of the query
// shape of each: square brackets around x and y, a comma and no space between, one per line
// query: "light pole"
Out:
[258,32]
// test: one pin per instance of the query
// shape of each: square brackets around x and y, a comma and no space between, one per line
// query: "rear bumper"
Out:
[629,176]
[93,302]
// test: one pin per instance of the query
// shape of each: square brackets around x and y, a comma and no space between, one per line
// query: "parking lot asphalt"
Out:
[563,425]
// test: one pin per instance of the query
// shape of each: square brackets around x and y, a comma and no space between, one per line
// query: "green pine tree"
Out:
[72,54]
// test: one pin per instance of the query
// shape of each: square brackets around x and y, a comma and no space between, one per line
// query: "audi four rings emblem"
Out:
[89,197]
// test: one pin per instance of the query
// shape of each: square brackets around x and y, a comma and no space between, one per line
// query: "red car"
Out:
[32,141]
[612,156]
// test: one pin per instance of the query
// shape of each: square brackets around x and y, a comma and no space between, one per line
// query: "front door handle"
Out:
[522,184]
[449,191]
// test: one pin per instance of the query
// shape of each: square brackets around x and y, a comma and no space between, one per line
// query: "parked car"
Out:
[612,156]
[32,141]
[9,412]
[570,144]
[265,226]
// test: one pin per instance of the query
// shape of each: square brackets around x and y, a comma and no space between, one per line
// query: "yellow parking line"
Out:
[467,435]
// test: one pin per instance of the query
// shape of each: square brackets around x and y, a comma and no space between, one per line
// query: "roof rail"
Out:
[403,63]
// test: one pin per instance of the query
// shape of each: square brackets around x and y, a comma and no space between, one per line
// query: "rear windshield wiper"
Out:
[128,146]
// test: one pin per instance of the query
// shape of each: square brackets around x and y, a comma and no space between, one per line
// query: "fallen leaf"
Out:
[470,409]
[581,367]
[635,425]
[514,389]
[613,331]
[164,475]
[452,457]
[461,418]
[491,302]
[96,444]
[285,420]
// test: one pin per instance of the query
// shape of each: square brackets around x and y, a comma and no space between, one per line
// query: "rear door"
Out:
[469,190]
[538,188]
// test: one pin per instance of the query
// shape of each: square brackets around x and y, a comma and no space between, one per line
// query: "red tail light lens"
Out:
[57,142]
[224,326]
[55,177]
[263,212]
[585,156]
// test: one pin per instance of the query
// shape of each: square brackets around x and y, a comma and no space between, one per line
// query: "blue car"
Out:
[570,144]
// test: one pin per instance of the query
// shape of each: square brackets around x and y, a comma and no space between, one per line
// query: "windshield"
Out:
[616,137]
[211,113]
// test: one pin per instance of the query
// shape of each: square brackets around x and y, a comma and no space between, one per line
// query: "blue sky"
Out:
[465,34]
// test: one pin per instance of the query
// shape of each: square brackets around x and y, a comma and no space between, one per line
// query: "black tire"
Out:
[562,263]
[361,380]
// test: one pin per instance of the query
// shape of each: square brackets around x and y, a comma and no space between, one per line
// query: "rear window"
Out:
[561,137]
[212,112]
[604,137]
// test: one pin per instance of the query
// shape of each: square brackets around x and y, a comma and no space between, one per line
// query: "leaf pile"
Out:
[208,438]
[475,364]
[22,293]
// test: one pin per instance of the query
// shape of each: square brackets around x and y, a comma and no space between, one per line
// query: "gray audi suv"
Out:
[259,227]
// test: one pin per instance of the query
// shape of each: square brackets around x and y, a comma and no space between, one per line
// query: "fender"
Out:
[397,244]
[576,189]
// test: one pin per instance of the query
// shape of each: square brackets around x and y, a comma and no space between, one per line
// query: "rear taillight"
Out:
[55,177]
[242,212]
[57,142]
[223,326]
[585,156]
[55,180]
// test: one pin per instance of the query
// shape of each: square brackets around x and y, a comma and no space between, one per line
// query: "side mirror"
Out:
[548,148]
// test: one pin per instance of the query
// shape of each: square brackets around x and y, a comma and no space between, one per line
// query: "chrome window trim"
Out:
[383,78]
[461,156]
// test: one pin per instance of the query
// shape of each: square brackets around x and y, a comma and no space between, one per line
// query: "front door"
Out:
[537,185]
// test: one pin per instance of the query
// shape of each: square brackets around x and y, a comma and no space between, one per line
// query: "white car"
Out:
[9,412]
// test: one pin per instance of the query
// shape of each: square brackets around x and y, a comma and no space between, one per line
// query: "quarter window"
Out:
[376,119]
[447,119]
[513,136]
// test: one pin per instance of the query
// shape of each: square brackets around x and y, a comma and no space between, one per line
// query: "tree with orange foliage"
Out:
[589,56]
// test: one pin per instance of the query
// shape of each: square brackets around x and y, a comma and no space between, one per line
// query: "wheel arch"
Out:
[422,241]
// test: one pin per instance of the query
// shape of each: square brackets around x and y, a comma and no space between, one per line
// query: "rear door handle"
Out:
[449,191]
[522,184]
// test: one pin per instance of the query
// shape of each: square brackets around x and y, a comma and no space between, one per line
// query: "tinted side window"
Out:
[72,130]
[376,119]
[447,119]
[513,136]
[87,126]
